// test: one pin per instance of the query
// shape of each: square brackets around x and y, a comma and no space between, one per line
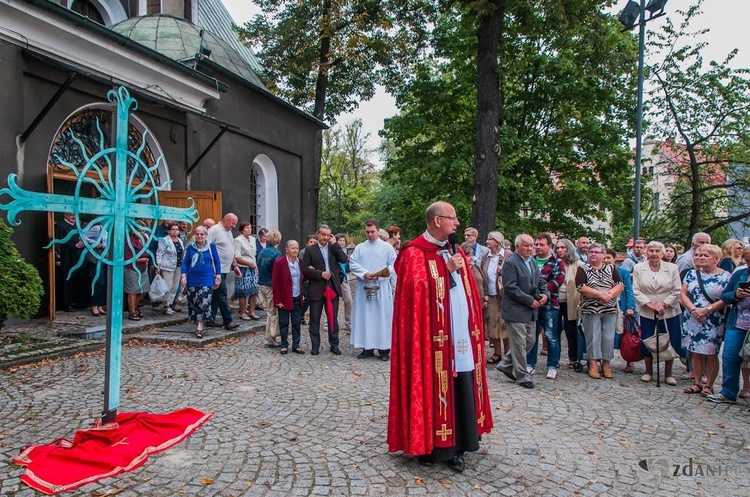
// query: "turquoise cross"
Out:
[118,210]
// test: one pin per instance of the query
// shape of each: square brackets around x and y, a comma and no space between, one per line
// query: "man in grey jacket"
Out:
[525,293]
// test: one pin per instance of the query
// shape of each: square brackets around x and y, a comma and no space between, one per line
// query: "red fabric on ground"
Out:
[105,451]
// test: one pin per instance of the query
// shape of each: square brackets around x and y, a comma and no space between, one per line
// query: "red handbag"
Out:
[630,343]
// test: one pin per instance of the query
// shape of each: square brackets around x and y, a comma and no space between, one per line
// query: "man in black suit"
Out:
[320,265]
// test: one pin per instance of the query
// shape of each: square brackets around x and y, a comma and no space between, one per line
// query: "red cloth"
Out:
[420,412]
[329,294]
[105,451]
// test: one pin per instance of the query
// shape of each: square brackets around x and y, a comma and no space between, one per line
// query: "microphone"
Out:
[454,241]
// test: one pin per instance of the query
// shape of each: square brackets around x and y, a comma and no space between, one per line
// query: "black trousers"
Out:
[467,435]
[317,308]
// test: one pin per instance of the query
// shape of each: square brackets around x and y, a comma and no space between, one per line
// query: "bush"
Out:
[20,285]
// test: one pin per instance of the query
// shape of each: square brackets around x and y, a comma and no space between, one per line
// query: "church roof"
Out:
[214,17]
[179,39]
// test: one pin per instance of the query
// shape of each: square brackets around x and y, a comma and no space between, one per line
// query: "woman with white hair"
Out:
[492,269]
[657,286]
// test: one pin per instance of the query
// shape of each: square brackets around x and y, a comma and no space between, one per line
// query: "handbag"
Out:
[630,343]
[159,291]
[665,351]
[620,323]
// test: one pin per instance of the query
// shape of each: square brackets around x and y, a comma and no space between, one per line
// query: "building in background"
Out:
[217,133]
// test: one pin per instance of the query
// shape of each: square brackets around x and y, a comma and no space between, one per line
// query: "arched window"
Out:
[92,126]
[88,9]
[264,191]
[105,12]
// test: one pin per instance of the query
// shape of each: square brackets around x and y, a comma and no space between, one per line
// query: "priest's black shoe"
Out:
[365,354]
[527,384]
[314,352]
[336,350]
[385,357]
[457,463]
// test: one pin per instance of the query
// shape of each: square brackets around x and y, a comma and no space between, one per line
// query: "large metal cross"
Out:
[118,210]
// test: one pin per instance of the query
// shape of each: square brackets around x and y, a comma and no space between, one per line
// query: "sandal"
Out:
[494,359]
[707,391]
[693,389]
[134,317]
[245,317]
[283,351]
[198,333]
[254,317]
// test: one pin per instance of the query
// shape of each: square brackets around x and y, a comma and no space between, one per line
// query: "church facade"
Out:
[206,117]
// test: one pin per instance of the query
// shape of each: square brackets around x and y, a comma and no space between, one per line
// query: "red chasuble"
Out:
[421,410]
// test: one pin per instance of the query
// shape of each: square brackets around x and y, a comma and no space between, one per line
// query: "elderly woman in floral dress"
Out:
[201,274]
[703,324]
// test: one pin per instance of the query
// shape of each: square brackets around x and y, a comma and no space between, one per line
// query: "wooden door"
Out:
[207,203]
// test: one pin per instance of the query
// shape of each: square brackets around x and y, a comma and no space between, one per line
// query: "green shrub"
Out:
[21,287]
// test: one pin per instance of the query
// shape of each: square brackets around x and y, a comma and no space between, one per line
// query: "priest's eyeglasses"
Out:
[452,218]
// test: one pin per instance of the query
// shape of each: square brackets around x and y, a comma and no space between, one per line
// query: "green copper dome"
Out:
[179,39]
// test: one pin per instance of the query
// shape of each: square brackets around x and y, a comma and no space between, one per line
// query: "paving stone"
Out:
[307,425]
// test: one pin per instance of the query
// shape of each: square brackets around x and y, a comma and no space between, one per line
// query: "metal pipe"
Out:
[639,122]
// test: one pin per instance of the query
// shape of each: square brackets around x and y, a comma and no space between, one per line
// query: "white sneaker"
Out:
[530,370]
[552,374]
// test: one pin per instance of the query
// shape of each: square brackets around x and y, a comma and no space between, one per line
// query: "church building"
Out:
[209,122]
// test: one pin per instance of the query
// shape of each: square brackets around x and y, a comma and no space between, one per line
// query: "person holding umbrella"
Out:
[320,265]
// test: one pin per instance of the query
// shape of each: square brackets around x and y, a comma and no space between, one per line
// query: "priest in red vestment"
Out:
[439,401]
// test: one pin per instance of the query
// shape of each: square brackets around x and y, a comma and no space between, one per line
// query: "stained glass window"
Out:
[84,126]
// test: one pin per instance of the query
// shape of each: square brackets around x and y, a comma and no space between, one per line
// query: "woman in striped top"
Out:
[599,285]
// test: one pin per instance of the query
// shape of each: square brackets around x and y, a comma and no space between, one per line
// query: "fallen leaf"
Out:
[590,452]
[445,481]
[249,484]
[181,492]
[418,481]
[623,440]
[207,481]
[477,486]
[720,426]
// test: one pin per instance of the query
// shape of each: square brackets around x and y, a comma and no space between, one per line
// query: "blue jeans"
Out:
[296,317]
[731,362]
[548,321]
[219,302]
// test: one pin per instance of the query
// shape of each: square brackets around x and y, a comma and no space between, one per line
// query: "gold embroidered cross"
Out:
[444,432]
[440,338]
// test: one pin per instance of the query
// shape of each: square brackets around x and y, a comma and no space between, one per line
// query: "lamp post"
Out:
[630,14]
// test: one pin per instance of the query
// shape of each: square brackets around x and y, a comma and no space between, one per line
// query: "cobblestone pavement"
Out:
[307,425]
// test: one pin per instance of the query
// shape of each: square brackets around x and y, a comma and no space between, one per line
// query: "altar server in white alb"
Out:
[372,263]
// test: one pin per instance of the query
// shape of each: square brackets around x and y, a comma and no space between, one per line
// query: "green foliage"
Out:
[20,285]
[331,54]
[347,179]
[568,92]
[702,112]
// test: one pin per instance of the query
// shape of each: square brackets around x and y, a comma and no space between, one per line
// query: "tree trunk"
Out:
[487,153]
[321,85]
[695,201]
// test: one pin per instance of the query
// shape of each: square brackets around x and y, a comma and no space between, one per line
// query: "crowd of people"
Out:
[430,306]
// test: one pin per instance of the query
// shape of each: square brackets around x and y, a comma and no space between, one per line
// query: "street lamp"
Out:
[630,14]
